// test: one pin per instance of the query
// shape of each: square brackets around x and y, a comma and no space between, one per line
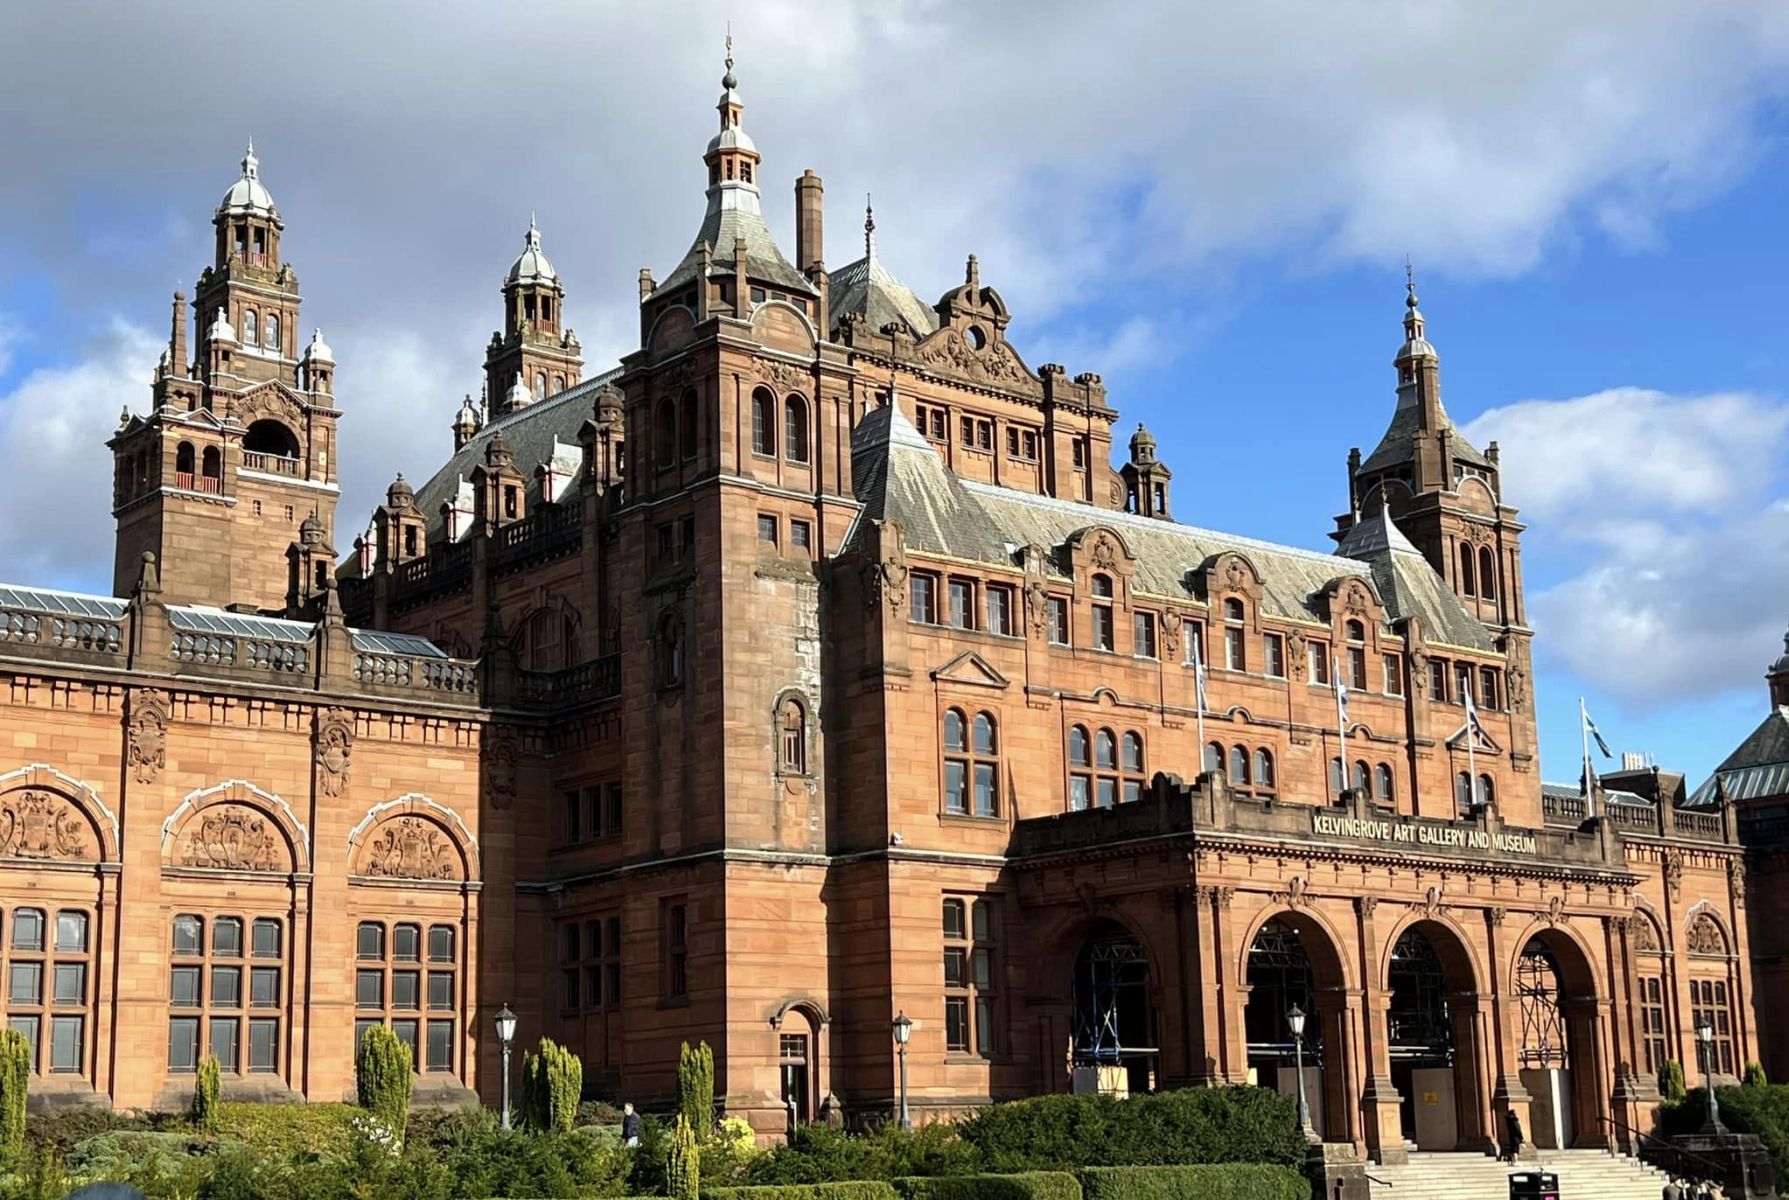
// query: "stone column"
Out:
[1507,1093]
[1380,1103]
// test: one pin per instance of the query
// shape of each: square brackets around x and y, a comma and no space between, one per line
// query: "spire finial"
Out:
[729,81]
[251,166]
[1409,284]
[869,229]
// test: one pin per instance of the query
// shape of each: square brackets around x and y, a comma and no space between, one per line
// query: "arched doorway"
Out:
[1557,1014]
[1291,963]
[798,1061]
[1432,1039]
[1114,1031]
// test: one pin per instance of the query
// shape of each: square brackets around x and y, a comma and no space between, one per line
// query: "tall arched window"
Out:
[1214,759]
[1487,792]
[1080,763]
[540,385]
[1239,767]
[1487,574]
[1264,776]
[664,434]
[686,425]
[1115,773]
[795,429]
[1103,622]
[1711,990]
[1363,779]
[1357,655]
[793,728]
[1382,793]
[1236,656]
[1337,784]
[272,333]
[184,465]
[1466,584]
[763,423]
[971,764]
[212,470]
[250,337]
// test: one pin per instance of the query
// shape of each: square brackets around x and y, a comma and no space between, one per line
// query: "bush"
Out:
[858,1189]
[1671,1082]
[283,1130]
[207,1095]
[695,1089]
[552,1080]
[1226,1181]
[116,1155]
[1754,1076]
[60,1130]
[683,1163]
[382,1078]
[1196,1125]
[1762,1110]
[15,1081]
[1026,1185]
[481,1160]
[820,1153]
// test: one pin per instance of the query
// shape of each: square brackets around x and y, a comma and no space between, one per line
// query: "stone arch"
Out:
[1577,964]
[1313,975]
[1326,951]
[779,323]
[231,834]
[1434,1034]
[1471,484]
[670,329]
[45,814]
[1705,934]
[1581,1018]
[413,837]
[1458,957]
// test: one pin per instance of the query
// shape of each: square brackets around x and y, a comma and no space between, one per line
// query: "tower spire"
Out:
[869,229]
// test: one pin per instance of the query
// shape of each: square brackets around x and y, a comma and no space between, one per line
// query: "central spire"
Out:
[732,157]
[869,230]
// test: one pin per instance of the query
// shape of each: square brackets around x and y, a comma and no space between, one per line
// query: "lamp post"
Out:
[1295,1019]
[903,1029]
[506,1034]
[1705,1039]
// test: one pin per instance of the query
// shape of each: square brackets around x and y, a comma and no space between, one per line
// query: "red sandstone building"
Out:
[810,667]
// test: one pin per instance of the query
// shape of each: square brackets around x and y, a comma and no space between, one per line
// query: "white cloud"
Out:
[1661,525]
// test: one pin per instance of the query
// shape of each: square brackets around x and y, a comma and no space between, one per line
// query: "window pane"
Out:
[440,1046]
[406,1032]
[956,1022]
[953,730]
[406,943]
[183,986]
[26,1027]
[1059,620]
[953,919]
[224,1033]
[226,937]
[441,943]
[183,1043]
[1133,791]
[568,988]
[1105,750]
[189,934]
[962,612]
[263,1044]
[71,932]
[27,929]
[981,915]
[369,989]
[1077,746]
[1102,627]
[226,987]
[264,987]
[986,795]
[266,938]
[25,984]
[1108,792]
[369,940]
[593,986]
[1133,752]
[441,989]
[984,1024]
[568,943]
[956,798]
[1079,789]
[406,990]
[71,983]
[1275,649]
[984,734]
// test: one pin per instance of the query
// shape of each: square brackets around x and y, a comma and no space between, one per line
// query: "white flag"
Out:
[1473,725]
[1199,677]
[1341,698]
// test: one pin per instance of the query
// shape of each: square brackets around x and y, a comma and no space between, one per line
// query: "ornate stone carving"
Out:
[1171,635]
[1366,906]
[1431,905]
[334,749]
[1295,650]
[1673,868]
[232,837]
[1037,605]
[500,767]
[1294,895]
[1705,937]
[1518,687]
[1495,915]
[270,401]
[1355,599]
[994,364]
[42,825]
[1105,554]
[1555,910]
[785,377]
[1642,934]
[1736,880]
[147,730]
[885,581]
[1236,576]
[1225,896]
[412,848]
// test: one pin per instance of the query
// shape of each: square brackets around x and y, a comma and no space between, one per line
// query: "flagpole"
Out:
[1471,758]
[1199,696]
[1335,668]
[1589,787]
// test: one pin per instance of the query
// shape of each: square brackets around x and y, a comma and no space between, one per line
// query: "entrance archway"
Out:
[1557,1052]
[1292,962]
[1114,1031]
[1432,1036]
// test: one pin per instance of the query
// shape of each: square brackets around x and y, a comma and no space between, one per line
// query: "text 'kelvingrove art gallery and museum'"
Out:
[810,667]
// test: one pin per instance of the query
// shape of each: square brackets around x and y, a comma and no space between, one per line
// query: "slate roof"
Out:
[763,260]
[900,476]
[868,288]
[1398,445]
[1757,770]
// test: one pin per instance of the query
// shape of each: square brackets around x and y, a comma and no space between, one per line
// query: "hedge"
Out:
[1763,1110]
[1194,1125]
[861,1189]
[1026,1185]
[1225,1181]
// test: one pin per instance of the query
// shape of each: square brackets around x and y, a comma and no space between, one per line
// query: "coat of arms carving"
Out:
[412,848]
[148,734]
[334,750]
[41,825]
[230,837]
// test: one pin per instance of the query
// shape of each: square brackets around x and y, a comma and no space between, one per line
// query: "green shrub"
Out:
[61,1129]
[1763,1110]
[552,1080]
[1754,1076]
[858,1189]
[1223,1181]
[116,1155]
[820,1153]
[695,1089]
[1671,1081]
[382,1079]
[683,1162]
[1026,1185]
[281,1130]
[207,1095]
[1196,1125]
[15,1081]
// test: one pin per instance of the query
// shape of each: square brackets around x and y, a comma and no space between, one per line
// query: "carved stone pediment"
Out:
[233,837]
[44,825]
[271,400]
[412,848]
[994,365]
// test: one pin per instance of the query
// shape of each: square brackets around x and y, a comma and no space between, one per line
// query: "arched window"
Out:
[1077,747]
[1711,989]
[227,992]
[794,729]
[558,384]
[271,335]
[1487,574]
[1133,754]
[1382,792]
[1363,779]
[664,434]
[212,471]
[1080,779]
[402,975]
[1356,634]
[1486,790]
[1337,784]
[1463,793]
[549,640]
[686,425]
[249,335]
[270,437]
[1264,777]
[971,764]
[183,465]
[763,423]
[1236,655]
[795,429]
[540,385]
[1111,774]
[1214,759]
[1466,585]
[1239,767]
[1105,750]
[1233,610]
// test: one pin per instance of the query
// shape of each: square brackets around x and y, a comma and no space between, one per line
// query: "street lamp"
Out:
[506,1034]
[903,1029]
[1705,1038]
[1295,1019]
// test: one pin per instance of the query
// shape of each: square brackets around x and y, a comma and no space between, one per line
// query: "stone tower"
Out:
[238,450]
[534,355]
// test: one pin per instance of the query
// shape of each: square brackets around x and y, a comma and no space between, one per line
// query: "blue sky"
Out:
[1209,204]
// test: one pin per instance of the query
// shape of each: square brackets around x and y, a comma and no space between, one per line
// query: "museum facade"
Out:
[809,668]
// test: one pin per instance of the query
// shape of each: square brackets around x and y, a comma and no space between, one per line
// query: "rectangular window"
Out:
[226,937]
[1235,648]
[226,987]
[923,594]
[25,983]
[264,987]
[441,943]
[967,425]
[1394,675]
[406,990]
[71,983]
[1487,688]
[962,604]
[369,989]
[406,943]
[986,790]
[572,810]
[984,436]
[956,787]
[1273,653]
[1192,642]
[1000,609]
[1028,445]
[1078,794]
[1102,627]
[666,536]
[801,537]
[1320,663]
[266,939]
[767,529]
[1652,1022]
[1012,442]
[26,1027]
[440,1049]
[969,980]
[1357,668]
[1463,682]
[225,1032]
[183,1044]
[441,990]
[406,1033]
[939,420]
[71,932]
[263,1045]
[183,986]
[1058,608]
[1080,455]
[1143,634]
[1438,680]
[611,811]
[676,951]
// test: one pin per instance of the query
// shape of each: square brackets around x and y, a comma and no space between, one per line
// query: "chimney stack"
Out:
[810,243]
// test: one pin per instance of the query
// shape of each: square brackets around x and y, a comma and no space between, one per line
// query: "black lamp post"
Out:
[506,1034]
[903,1029]
[1705,1039]
[1295,1019]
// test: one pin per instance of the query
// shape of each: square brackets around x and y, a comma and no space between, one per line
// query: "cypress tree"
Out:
[15,1080]
[382,1078]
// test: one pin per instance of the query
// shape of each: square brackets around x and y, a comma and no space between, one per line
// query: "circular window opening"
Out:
[976,337]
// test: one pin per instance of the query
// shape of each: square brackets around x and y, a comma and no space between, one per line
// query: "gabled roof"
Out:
[1409,585]
[867,288]
[1757,770]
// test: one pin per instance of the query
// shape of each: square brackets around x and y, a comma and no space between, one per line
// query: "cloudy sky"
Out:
[1209,203]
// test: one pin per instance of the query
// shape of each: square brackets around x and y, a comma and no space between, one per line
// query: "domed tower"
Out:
[533,342]
[1778,677]
[238,447]
[1145,478]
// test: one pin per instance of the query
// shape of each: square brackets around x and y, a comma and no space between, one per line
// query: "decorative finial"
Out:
[869,228]
[728,80]
[972,273]
[251,166]
[1409,284]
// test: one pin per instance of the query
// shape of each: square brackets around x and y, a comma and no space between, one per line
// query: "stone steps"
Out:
[1583,1175]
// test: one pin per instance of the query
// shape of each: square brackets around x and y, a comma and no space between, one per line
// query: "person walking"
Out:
[1672,1190]
[630,1125]
[1512,1127]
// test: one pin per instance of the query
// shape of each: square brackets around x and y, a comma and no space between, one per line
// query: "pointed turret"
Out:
[534,341]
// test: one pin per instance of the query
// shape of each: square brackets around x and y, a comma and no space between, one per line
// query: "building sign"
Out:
[1450,837]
